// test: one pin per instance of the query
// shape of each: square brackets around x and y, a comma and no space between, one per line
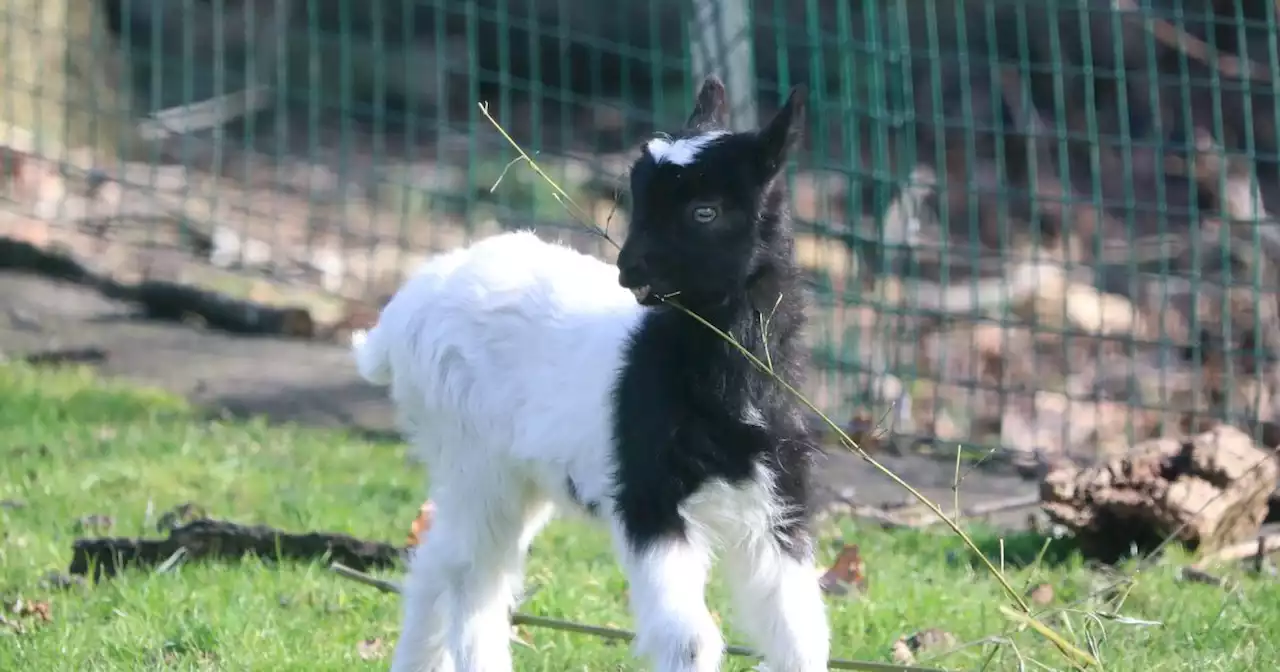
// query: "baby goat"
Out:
[530,381]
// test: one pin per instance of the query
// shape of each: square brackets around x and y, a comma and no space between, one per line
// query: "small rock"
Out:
[927,640]
[60,581]
[231,250]
[371,649]
[901,653]
[1041,594]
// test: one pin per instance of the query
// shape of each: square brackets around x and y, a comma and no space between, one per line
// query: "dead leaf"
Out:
[371,649]
[1041,594]
[847,571]
[31,608]
[421,524]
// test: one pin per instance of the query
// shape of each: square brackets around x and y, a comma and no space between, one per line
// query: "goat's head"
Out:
[709,214]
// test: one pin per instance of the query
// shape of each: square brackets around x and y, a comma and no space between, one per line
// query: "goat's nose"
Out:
[630,272]
[626,277]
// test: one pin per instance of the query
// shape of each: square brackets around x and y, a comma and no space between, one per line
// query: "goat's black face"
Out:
[704,205]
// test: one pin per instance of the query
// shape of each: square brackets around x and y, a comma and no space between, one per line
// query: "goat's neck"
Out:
[755,319]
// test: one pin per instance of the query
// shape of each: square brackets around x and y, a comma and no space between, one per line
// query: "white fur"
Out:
[681,152]
[501,359]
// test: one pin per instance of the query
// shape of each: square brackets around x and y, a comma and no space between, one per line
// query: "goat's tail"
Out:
[373,361]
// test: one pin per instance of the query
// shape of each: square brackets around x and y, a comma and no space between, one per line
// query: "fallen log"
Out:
[66,356]
[216,539]
[1208,492]
[174,302]
[163,300]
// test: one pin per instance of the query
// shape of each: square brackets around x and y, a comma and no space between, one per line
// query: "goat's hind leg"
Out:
[468,568]
[423,644]
[778,604]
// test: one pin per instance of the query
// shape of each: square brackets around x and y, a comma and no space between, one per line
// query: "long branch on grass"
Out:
[1070,651]
[618,634]
[207,539]
[905,518]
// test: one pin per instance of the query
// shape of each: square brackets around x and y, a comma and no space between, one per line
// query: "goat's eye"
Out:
[705,214]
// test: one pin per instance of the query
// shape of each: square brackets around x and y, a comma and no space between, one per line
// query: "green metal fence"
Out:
[1038,225]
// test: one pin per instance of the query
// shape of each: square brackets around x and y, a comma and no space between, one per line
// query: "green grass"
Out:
[72,445]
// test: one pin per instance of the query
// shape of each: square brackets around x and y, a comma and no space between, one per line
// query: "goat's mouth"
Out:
[646,296]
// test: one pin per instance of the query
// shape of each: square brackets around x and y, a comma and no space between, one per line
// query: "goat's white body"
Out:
[501,359]
[513,342]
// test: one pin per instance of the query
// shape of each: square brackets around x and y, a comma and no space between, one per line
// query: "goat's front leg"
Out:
[667,580]
[778,602]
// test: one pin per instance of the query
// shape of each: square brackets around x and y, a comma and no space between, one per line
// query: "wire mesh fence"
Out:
[1034,226]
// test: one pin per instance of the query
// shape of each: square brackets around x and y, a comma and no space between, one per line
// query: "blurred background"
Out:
[1038,229]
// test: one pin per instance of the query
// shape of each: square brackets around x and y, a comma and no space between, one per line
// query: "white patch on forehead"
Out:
[681,152]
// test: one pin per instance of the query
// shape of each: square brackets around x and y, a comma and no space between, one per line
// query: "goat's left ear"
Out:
[783,132]
[711,109]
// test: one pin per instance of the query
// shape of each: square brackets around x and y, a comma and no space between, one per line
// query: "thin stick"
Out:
[916,517]
[360,577]
[978,510]
[1264,544]
[619,634]
[1196,575]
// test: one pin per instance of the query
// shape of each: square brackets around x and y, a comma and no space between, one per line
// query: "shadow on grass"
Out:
[79,395]
[1018,550]
[359,409]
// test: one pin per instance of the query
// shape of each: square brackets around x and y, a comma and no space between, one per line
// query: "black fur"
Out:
[683,393]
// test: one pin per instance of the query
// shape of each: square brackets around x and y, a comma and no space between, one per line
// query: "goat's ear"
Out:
[782,133]
[711,110]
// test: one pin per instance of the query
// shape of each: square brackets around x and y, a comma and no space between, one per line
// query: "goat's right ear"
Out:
[711,110]
[783,132]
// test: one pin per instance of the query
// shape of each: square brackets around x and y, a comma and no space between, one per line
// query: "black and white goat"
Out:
[530,381]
